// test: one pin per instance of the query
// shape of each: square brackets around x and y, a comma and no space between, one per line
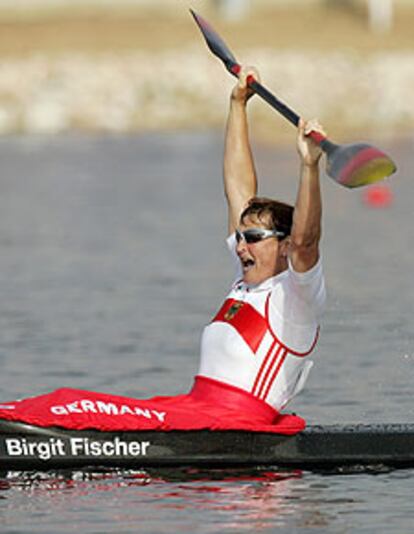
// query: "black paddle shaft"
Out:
[220,49]
[277,104]
[284,110]
[287,112]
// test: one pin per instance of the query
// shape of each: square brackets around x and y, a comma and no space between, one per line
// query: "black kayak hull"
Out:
[24,447]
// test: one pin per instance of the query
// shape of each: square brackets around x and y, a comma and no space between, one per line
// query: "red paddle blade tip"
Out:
[359,165]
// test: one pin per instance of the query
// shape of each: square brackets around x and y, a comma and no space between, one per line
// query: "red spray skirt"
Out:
[209,405]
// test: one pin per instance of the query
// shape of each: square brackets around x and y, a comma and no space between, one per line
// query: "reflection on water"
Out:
[172,500]
[237,499]
[112,260]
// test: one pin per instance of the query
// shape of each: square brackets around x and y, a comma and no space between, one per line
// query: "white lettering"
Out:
[108,448]
[160,415]
[59,410]
[60,447]
[126,409]
[144,447]
[53,447]
[13,447]
[88,406]
[122,447]
[76,446]
[145,413]
[107,408]
[135,448]
[32,448]
[73,407]
[94,448]
[44,451]
[39,449]
[117,447]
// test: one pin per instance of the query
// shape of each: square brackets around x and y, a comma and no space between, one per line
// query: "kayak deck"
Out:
[24,446]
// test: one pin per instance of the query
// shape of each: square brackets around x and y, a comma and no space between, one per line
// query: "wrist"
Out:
[312,165]
[238,102]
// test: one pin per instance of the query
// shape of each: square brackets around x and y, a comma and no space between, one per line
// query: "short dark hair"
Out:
[274,214]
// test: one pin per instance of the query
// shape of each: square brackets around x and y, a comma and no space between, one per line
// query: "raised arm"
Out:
[306,229]
[240,183]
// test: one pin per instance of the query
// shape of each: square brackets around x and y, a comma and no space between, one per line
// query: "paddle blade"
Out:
[215,43]
[358,164]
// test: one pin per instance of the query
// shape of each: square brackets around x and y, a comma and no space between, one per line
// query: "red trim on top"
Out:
[248,322]
[293,352]
[221,394]
[262,367]
[274,375]
[279,353]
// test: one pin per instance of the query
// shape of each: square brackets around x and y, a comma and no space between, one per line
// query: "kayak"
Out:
[24,446]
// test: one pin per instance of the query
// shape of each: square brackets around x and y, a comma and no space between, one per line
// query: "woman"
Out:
[260,338]
[254,352]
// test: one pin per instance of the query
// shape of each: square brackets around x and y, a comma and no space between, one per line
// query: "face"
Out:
[263,259]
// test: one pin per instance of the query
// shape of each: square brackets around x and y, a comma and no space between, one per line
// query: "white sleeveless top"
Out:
[261,337]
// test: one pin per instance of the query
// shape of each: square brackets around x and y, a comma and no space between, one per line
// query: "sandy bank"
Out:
[132,91]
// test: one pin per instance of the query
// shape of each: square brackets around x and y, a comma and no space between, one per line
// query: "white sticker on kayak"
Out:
[57,447]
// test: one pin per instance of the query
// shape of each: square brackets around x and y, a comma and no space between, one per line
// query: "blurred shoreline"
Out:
[137,71]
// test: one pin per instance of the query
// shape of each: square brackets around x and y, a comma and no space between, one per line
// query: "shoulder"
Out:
[306,277]
[300,297]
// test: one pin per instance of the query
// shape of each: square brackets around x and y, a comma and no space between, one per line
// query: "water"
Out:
[113,259]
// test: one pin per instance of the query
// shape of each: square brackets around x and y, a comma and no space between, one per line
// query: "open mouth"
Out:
[247,264]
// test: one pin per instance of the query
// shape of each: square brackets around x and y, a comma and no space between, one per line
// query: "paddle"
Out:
[352,165]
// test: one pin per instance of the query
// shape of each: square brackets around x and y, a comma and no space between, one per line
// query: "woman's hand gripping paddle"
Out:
[352,165]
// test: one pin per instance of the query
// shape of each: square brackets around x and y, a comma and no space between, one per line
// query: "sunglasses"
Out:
[254,235]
